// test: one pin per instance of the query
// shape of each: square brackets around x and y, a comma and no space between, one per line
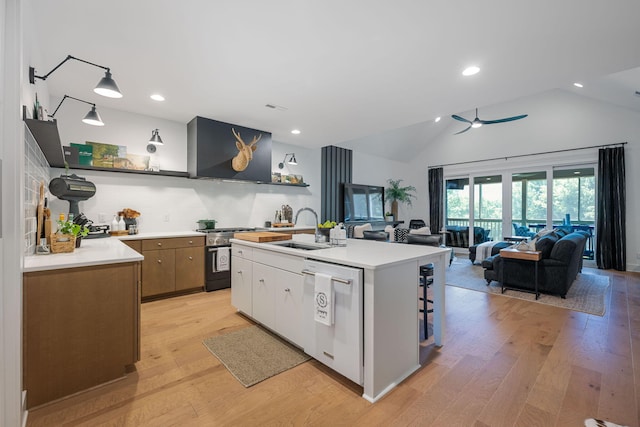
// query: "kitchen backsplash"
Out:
[36,170]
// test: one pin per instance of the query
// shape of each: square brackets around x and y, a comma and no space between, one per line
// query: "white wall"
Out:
[11,235]
[557,120]
[175,204]
[373,170]
[123,128]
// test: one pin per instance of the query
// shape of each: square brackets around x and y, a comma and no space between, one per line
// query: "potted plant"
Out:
[388,216]
[70,231]
[397,194]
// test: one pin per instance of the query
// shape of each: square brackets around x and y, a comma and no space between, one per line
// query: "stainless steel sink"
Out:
[300,245]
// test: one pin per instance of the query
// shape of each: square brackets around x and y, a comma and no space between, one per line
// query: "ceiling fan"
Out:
[476,123]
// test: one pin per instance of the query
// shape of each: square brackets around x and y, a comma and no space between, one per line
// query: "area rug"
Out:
[587,294]
[252,354]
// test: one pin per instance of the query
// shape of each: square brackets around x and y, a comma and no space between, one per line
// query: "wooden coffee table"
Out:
[511,254]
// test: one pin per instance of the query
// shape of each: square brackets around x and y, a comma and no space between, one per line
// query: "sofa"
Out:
[560,264]
[495,249]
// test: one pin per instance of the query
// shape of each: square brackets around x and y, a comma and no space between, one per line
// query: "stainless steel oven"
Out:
[218,257]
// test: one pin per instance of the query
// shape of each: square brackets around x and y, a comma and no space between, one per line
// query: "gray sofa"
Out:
[560,264]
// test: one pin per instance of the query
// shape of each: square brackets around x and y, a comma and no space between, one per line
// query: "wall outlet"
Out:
[166,218]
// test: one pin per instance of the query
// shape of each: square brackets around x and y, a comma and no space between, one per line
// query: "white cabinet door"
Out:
[289,300]
[264,288]
[241,284]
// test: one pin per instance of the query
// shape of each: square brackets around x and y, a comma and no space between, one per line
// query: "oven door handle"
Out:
[213,253]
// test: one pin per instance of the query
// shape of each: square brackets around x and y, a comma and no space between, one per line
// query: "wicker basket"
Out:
[66,245]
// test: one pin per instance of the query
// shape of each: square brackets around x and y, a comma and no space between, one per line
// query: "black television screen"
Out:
[363,202]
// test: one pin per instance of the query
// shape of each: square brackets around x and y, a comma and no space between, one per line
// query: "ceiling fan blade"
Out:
[462,131]
[507,119]
[462,119]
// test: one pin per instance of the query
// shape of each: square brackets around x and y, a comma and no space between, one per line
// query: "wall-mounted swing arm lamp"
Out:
[92,117]
[155,138]
[292,160]
[106,86]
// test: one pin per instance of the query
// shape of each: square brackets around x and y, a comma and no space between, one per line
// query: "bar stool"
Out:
[426,279]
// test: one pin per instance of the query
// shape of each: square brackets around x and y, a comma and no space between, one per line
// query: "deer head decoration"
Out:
[245,152]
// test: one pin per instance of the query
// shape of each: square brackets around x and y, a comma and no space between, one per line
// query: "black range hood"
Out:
[211,146]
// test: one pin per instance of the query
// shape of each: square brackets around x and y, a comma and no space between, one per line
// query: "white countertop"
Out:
[294,228]
[102,251]
[358,252]
[158,235]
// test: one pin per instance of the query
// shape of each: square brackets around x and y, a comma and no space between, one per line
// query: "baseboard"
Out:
[633,267]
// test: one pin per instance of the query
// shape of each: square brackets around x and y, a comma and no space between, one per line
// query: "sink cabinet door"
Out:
[264,288]
[241,284]
[289,310]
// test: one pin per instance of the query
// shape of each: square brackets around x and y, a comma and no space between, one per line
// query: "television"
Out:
[363,202]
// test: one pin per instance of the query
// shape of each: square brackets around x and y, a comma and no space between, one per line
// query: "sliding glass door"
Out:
[528,203]
[520,203]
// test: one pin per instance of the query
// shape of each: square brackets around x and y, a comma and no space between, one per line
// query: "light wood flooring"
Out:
[505,362]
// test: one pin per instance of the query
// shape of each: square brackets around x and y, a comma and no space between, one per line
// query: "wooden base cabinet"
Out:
[81,328]
[172,265]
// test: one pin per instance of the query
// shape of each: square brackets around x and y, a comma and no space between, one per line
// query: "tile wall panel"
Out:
[36,170]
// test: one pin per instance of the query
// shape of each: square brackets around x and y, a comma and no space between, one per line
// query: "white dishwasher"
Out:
[340,345]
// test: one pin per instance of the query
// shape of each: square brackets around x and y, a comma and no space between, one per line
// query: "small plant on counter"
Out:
[69,227]
[327,224]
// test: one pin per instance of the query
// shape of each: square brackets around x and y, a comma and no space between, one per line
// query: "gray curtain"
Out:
[436,200]
[611,241]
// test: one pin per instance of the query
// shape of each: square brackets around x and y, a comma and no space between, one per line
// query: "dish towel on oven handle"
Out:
[323,299]
[222,259]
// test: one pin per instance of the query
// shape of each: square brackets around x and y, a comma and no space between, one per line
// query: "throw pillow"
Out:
[545,245]
[421,230]
[391,232]
[358,230]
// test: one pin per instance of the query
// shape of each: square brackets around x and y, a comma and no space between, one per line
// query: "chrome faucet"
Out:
[295,221]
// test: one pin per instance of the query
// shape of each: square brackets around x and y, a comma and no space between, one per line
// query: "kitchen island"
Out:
[389,326]
[81,319]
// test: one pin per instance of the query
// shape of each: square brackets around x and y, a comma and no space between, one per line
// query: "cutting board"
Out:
[262,236]
[283,224]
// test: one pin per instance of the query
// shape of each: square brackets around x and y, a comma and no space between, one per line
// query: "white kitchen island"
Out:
[390,300]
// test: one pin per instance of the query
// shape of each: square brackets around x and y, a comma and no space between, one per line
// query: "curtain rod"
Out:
[527,155]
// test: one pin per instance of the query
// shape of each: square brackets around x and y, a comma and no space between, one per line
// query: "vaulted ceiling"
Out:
[336,70]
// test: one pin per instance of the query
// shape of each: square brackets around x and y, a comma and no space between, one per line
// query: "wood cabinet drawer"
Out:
[172,243]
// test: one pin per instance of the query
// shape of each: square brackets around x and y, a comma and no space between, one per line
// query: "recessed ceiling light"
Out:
[470,71]
[157,97]
[295,132]
[576,84]
[438,119]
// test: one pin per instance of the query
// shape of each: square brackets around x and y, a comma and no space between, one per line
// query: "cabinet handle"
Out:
[159,244]
[261,280]
[239,271]
[240,251]
[159,261]
[329,355]
[191,258]
[287,290]
[191,242]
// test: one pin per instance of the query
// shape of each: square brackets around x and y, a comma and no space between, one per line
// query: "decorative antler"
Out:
[245,152]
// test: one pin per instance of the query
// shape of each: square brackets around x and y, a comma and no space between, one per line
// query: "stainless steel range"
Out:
[218,256]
